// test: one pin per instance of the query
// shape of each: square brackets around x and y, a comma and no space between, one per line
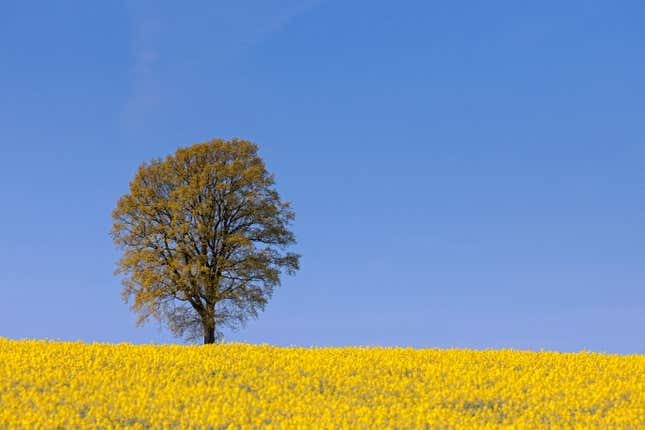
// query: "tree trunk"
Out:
[209,332]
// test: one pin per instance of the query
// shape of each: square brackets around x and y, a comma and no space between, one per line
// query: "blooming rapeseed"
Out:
[49,385]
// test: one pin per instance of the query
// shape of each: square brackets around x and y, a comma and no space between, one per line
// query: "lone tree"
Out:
[204,237]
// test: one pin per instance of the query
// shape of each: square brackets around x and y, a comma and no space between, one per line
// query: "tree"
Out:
[204,237]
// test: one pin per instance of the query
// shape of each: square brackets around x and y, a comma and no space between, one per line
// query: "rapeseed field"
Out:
[69,385]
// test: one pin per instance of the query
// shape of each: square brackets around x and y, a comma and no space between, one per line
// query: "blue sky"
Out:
[464,174]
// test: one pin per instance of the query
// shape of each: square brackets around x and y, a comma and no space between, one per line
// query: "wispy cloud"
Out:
[283,16]
[145,92]
[180,38]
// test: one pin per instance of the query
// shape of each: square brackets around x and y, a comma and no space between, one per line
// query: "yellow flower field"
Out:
[49,385]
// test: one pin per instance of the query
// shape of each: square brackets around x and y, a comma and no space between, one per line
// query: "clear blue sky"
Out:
[464,174]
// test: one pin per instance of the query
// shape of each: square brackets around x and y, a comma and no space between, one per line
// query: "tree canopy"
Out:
[205,238]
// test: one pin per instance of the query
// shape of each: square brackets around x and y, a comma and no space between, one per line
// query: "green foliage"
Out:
[204,237]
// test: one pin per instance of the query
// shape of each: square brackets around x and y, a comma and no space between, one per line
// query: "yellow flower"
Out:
[48,384]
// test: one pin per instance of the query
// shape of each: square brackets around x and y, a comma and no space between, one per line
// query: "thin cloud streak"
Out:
[145,93]
[224,31]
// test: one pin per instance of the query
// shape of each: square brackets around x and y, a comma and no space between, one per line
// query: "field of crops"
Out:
[47,384]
